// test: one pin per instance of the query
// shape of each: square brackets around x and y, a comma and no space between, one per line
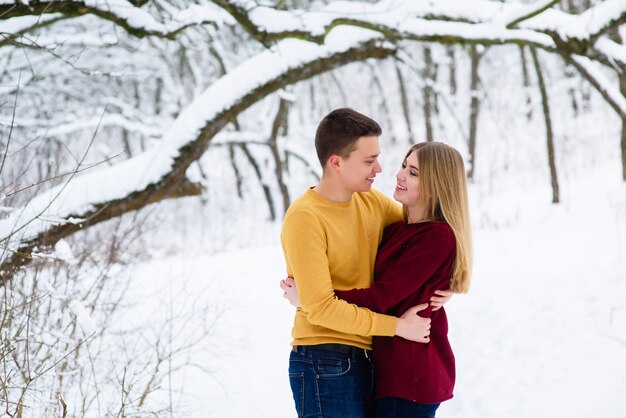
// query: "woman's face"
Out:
[408,186]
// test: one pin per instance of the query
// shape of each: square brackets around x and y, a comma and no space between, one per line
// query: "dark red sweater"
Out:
[413,261]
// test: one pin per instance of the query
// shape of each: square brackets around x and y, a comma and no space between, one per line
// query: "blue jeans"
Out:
[402,408]
[331,384]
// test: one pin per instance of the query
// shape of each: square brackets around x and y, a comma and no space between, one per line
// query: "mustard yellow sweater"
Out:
[332,245]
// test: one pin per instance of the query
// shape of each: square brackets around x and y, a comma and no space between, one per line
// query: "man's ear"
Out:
[334,161]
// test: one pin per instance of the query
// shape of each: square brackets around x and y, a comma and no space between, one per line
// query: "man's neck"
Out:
[330,190]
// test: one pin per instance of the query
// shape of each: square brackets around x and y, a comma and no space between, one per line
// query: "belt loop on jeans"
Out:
[346,350]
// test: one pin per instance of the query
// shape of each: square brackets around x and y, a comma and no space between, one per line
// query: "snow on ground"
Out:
[541,333]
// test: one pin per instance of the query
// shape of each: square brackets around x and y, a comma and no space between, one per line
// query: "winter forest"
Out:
[150,148]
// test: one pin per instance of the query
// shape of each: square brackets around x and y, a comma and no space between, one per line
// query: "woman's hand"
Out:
[290,291]
[443,297]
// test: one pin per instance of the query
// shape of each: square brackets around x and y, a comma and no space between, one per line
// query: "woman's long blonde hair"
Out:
[443,193]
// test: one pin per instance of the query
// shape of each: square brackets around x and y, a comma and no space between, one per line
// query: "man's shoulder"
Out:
[374,196]
[303,203]
[303,209]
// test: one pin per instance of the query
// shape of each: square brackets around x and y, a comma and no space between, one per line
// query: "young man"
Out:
[330,236]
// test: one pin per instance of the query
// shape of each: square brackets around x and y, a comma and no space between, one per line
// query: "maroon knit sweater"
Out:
[413,261]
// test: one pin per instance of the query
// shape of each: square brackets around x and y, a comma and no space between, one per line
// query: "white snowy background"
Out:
[542,332]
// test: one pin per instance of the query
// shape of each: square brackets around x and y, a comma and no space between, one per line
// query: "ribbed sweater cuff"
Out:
[385,325]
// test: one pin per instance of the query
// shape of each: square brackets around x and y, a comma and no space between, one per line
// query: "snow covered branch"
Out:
[473,21]
[159,173]
[477,22]
[590,71]
[299,44]
[12,29]
[125,14]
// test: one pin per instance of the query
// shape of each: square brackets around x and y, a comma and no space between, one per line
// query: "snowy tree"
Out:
[280,47]
[110,106]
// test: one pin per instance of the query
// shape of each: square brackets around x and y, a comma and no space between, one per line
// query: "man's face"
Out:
[358,170]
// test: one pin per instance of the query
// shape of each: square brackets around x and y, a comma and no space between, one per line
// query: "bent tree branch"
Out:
[416,22]
[172,183]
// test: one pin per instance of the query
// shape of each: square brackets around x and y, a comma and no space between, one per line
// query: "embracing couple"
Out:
[362,266]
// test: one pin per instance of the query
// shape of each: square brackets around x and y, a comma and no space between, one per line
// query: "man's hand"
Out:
[438,301]
[413,327]
[290,291]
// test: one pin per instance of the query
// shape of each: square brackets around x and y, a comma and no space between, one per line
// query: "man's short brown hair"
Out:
[339,131]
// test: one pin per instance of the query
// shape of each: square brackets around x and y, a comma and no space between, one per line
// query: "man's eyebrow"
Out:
[372,156]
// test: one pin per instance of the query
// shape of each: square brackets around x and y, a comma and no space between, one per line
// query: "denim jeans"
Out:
[401,408]
[329,384]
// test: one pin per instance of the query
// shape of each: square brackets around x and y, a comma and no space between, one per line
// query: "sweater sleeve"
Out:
[419,262]
[304,244]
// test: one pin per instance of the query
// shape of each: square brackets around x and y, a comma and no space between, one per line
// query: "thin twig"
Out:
[64,185]
[66,174]
[6,149]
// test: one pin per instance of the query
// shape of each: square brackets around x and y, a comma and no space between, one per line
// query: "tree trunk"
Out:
[259,174]
[549,135]
[622,88]
[233,164]
[279,169]
[384,107]
[526,82]
[614,34]
[405,103]
[474,108]
[452,57]
[172,182]
[428,93]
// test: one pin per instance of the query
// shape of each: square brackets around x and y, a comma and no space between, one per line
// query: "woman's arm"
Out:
[290,292]
[413,269]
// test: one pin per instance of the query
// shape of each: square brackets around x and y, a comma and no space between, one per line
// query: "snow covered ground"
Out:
[542,332]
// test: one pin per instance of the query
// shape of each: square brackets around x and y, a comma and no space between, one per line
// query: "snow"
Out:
[140,18]
[489,19]
[63,251]
[596,18]
[267,18]
[590,22]
[542,331]
[607,86]
[84,320]
[137,173]
[62,129]
[134,16]
[21,23]
[611,49]
[115,182]
[85,40]
[542,328]
[196,14]
[420,28]
[515,12]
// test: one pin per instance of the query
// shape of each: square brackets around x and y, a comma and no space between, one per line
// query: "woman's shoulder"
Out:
[442,228]
[394,228]
[435,233]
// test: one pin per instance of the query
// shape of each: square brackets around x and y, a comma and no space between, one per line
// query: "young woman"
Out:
[430,250]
